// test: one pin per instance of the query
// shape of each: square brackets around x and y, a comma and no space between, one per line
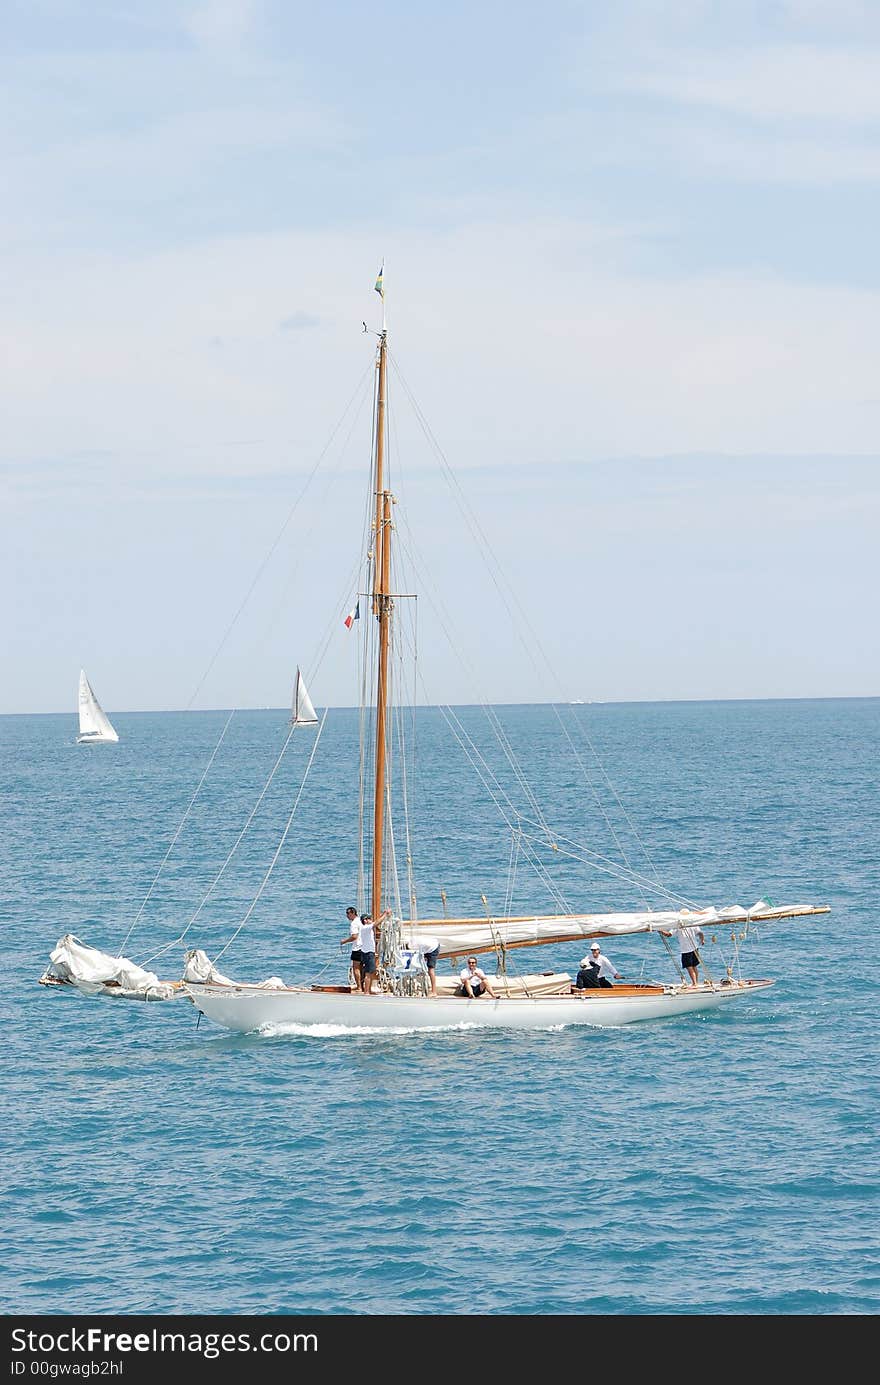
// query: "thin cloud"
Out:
[298,322]
[793,82]
[221,25]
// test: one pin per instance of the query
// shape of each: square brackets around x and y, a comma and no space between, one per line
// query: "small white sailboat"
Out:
[404,1000]
[94,724]
[302,712]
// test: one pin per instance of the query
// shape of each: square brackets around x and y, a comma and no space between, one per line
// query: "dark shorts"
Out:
[431,959]
[476,987]
[357,955]
[604,982]
[690,959]
[368,962]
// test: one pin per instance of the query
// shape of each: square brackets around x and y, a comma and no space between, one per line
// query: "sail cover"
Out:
[303,712]
[94,725]
[458,936]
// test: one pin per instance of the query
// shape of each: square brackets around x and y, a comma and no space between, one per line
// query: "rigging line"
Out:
[501,736]
[511,874]
[488,778]
[412,760]
[367,655]
[262,567]
[363,729]
[491,716]
[487,710]
[391,854]
[331,628]
[676,962]
[600,805]
[352,581]
[281,842]
[581,854]
[215,882]
[484,772]
[519,773]
[496,571]
[322,504]
[432,596]
[501,583]
[543,874]
[177,833]
[476,753]
[507,907]
[636,879]
[539,868]
[615,795]
[404,757]
[317,662]
[500,951]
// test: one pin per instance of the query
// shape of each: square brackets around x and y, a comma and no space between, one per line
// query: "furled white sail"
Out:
[303,713]
[458,936]
[93,972]
[94,724]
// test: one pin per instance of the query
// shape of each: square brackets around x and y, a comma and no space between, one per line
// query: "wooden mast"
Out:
[382,611]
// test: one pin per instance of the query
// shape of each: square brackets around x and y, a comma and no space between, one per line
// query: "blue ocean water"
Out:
[719,1164]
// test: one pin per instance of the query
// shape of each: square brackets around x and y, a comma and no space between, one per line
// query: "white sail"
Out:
[458,936]
[73,962]
[303,713]
[94,724]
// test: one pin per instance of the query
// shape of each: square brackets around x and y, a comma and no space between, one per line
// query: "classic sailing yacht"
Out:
[404,1000]
[94,724]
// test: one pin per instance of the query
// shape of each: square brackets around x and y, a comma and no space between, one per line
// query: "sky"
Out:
[632,288]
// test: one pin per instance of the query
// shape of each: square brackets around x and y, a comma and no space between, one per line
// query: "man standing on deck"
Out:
[366,941]
[690,937]
[354,923]
[428,948]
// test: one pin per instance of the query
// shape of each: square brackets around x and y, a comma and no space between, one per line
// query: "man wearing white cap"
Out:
[587,978]
[605,965]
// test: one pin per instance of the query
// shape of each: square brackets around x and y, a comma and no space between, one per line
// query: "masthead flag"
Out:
[353,616]
[379,286]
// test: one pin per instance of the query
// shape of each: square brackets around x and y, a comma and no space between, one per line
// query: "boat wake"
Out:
[335,1031]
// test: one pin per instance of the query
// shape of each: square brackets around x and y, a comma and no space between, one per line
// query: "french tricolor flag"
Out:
[353,616]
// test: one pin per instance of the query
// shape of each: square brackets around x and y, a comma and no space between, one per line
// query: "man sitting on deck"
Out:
[474,981]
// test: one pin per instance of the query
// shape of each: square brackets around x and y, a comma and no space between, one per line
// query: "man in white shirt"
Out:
[474,981]
[690,937]
[606,967]
[429,950]
[354,923]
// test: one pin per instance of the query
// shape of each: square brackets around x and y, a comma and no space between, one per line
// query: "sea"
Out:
[719,1165]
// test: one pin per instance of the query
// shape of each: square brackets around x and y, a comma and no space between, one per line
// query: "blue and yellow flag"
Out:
[379,286]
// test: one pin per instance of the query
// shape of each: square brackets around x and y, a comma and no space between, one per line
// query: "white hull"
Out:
[96,739]
[247,1009]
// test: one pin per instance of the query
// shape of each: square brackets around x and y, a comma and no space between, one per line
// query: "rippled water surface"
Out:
[718,1164]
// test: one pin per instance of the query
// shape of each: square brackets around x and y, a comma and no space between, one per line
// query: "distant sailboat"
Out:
[302,711]
[94,724]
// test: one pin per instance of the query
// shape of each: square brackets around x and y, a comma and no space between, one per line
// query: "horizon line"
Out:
[434,706]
